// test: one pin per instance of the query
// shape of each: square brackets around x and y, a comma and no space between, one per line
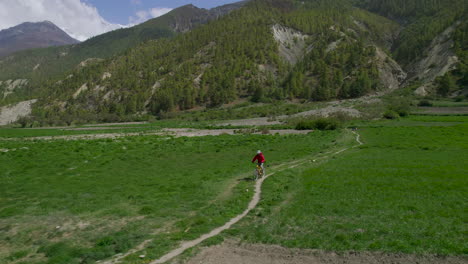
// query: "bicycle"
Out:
[258,172]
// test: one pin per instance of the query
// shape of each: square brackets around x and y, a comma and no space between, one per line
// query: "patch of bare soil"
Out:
[330,110]
[322,112]
[117,124]
[96,128]
[232,253]
[443,110]
[176,132]
[184,132]
[257,121]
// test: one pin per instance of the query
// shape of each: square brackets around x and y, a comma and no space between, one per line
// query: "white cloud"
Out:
[159,11]
[143,15]
[79,19]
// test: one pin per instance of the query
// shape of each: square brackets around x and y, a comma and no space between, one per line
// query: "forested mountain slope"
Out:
[268,50]
[40,65]
[337,56]
[423,20]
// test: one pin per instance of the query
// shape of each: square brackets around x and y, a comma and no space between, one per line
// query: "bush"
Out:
[425,103]
[390,114]
[305,125]
[319,124]
[400,105]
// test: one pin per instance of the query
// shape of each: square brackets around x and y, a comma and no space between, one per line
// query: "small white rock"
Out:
[57,227]
[142,256]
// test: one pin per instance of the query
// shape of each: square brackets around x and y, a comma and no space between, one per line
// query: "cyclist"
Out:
[260,160]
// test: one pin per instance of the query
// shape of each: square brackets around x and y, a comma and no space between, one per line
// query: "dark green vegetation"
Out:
[404,190]
[81,201]
[423,21]
[458,77]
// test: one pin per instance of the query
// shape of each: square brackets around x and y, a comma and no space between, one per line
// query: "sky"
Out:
[83,19]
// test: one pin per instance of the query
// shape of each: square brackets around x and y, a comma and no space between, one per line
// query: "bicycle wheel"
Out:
[258,172]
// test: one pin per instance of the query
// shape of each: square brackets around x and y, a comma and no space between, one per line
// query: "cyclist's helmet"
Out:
[258,152]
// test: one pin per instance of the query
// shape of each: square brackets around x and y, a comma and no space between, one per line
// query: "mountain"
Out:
[267,50]
[43,64]
[32,35]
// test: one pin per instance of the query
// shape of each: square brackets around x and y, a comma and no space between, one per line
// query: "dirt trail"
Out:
[189,244]
[231,252]
[253,203]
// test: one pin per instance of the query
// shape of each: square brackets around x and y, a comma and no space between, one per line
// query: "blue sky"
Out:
[119,11]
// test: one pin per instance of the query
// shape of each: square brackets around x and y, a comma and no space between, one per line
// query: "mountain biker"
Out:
[260,160]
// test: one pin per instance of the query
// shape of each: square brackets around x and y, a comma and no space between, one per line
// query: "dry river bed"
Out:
[176,132]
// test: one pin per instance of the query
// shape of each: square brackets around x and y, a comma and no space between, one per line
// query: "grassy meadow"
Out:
[405,190]
[80,201]
[84,200]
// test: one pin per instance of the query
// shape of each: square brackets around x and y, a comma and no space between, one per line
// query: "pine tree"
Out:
[446,85]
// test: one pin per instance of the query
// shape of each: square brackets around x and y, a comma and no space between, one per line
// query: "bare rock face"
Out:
[421,91]
[390,72]
[439,60]
[8,87]
[32,35]
[11,113]
[292,44]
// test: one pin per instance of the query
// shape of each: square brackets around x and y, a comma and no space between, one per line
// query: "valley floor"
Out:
[398,198]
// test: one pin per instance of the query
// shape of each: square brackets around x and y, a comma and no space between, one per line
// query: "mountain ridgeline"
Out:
[266,50]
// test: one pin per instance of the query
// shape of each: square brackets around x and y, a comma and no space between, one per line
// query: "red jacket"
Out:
[259,157]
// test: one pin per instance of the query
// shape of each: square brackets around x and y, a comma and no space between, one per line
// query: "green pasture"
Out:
[81,201]
[404,191]
[85,200]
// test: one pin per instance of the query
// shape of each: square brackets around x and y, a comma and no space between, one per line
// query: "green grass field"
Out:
[85,200]
[404,191]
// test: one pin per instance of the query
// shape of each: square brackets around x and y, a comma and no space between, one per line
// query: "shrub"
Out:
[390,114]
[400,105]
[326,124]
[424,103]
[305,125]
[320,124]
